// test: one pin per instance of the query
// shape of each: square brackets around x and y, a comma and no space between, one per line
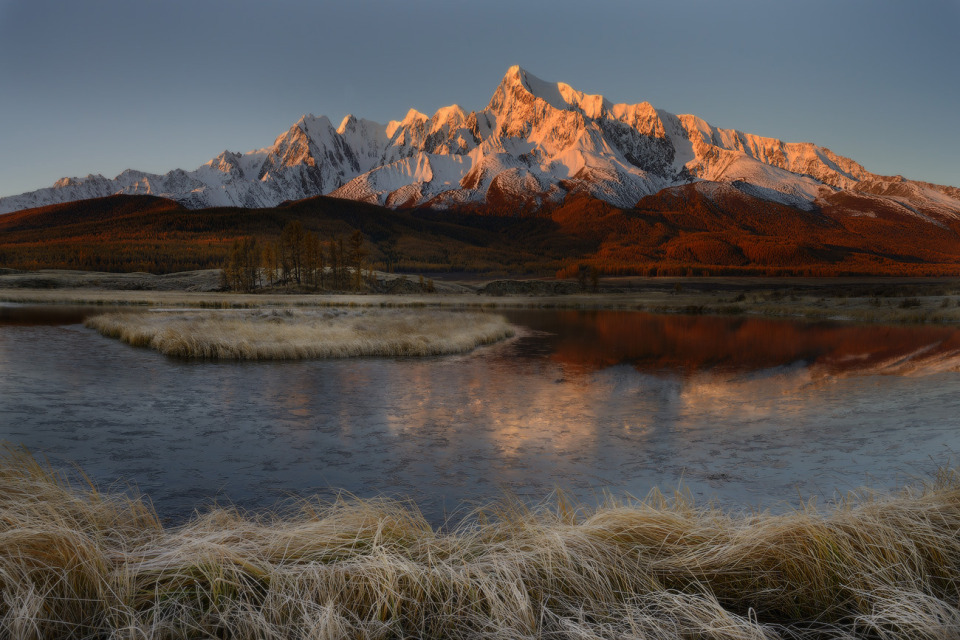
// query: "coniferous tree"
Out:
[334,265]
[321,264]
[243,264]
[357,254]
[268,262]
[342,264]
[311,247]
[277,261]
[292,243]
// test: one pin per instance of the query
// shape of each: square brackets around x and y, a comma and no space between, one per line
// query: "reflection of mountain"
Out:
[591,340]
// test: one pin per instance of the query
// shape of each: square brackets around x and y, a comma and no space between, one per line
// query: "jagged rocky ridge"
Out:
[534,143]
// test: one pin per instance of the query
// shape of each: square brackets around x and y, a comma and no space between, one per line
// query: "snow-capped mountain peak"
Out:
[535,142]
[559,95]
[412,118]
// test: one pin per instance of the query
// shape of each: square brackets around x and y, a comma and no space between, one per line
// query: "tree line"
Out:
[299,258]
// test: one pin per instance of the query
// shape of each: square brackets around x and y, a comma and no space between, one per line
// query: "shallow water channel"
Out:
[749,412]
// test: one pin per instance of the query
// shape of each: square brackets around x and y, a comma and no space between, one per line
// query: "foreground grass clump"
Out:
[76,563]
[291,334]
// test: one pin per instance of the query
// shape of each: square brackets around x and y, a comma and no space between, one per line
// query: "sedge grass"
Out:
[78,563]
[283,334]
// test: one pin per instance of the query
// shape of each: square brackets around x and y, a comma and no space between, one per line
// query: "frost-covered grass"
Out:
[78,563]
[897,303]
[297,334]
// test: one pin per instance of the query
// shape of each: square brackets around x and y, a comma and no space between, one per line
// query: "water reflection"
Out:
[687,345]
[12,314]
[749,411]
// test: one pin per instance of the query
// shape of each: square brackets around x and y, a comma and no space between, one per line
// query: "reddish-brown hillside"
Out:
[717,229]
[697,229]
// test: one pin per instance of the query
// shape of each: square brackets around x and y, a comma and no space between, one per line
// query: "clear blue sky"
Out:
[100,86]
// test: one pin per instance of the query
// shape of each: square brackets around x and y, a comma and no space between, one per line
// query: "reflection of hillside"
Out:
[591,340]
[27,315]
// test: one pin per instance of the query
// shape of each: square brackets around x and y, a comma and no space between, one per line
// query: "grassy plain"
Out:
[79,563]
[887,300]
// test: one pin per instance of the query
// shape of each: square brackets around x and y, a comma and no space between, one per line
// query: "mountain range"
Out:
[534,145]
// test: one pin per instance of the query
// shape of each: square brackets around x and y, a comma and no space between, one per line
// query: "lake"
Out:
[747,412]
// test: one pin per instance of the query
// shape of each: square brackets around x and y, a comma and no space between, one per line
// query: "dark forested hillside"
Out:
[144,233]
[680,231]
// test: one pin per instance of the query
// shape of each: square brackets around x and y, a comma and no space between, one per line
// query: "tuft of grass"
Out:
[78,563]
[297,334]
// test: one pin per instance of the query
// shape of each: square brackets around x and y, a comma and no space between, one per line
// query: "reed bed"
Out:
[286,334]
[78,563]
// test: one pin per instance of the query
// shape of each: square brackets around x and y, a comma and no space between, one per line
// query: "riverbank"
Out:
[884,300]
[76,562]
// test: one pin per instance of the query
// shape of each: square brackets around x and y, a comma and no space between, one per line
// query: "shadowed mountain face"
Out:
[533,146]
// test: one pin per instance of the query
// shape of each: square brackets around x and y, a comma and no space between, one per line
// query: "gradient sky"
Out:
[100,86]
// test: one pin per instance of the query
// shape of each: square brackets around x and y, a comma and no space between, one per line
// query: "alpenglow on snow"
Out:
[533,144]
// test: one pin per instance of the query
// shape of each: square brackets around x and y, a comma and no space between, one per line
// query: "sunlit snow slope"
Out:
[534,143]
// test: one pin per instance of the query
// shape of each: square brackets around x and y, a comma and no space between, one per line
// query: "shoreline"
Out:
[870,300]
[103,563]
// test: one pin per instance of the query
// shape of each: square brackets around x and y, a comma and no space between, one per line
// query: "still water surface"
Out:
[749,412]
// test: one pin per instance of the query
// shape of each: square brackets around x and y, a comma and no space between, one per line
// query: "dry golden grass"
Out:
[285,334]
[76,563]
